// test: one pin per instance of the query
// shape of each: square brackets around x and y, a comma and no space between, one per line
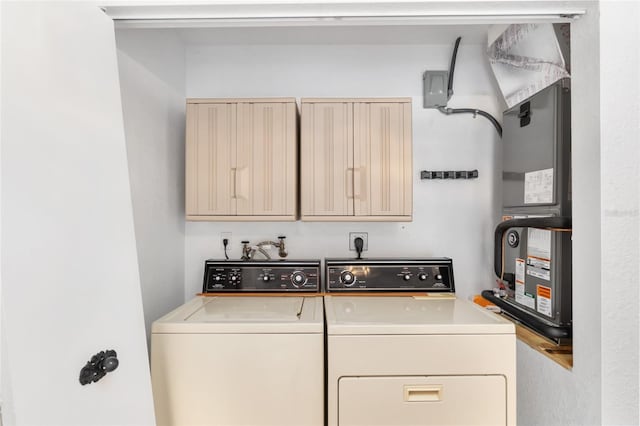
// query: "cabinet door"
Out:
[327,159]
[210,159]
[266,159]
[382,159]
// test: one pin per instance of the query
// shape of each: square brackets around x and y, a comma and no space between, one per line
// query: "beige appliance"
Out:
[230,358]
[403,350]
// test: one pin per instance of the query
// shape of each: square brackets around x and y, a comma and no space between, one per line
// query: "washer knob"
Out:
[438,277]
[422,276]
[347,278]
[406,277]
[217,278]
[233,278]
[298,278]
[266,278]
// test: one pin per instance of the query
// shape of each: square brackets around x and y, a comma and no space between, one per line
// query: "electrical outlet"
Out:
[365,239]
[226,235]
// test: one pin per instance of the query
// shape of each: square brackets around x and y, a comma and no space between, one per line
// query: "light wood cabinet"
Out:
[356,161]
[241,159]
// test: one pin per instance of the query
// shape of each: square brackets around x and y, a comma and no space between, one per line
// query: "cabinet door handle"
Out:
[234,180]
[349,181]
[357,184]
[429,393]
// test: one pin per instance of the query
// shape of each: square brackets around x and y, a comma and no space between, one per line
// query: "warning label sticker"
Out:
[544,300]
[539,253]
[520,276]
[537,272]
[538,187]
[523,298]
[527,300]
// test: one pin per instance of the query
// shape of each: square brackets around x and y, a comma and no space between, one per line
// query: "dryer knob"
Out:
[347,278]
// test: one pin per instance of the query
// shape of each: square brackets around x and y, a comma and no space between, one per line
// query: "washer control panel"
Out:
[424,275]
[266,276]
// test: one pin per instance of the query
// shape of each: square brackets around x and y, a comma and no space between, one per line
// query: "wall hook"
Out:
[449,174]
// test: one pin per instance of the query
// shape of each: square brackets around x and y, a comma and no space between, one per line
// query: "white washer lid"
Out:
[410,315]
[247,309]
[244,314]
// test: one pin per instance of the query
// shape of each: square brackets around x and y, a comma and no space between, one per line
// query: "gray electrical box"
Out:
[434,84]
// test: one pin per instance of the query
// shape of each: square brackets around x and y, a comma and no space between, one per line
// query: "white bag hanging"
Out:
[525,59]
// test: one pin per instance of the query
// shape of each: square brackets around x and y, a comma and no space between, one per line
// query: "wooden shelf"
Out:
[561,354]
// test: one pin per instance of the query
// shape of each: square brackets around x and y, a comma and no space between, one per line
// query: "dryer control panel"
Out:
[423,275]
[266,276]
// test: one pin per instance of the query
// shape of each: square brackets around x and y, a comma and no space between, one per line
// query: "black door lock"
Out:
[100,364]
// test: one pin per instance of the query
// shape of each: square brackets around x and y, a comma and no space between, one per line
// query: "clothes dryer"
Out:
[403,350]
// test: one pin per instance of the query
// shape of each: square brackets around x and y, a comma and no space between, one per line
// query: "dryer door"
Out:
[423,400]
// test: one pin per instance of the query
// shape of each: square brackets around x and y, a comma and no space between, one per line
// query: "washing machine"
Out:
[248,351]
[403,350]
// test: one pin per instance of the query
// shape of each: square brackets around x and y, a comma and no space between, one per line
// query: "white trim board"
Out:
[171,14]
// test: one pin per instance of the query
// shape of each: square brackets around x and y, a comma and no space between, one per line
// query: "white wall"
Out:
[6,404]
[70,285]
[152,80]
[620,159]
[451,218]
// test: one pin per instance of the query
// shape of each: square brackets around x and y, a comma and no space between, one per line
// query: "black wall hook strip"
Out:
[427,174]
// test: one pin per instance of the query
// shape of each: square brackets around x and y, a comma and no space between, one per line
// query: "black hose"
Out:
[473,111]
[452,67]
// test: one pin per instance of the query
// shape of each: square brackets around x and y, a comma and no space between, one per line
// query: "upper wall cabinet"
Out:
[241,159]
[356,162]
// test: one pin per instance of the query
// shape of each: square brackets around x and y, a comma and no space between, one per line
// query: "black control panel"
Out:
[267,276]
[424,275]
